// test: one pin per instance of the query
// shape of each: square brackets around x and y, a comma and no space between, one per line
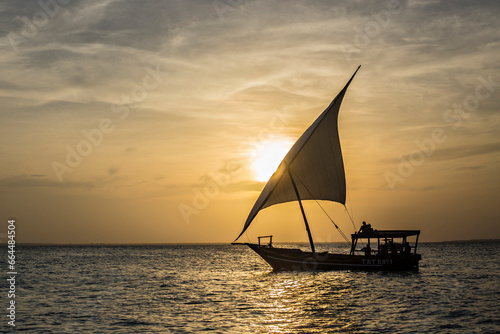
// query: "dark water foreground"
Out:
[228,289]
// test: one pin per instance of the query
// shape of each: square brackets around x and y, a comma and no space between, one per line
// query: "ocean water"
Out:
[229,289]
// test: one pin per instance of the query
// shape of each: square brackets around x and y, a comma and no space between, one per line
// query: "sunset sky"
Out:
[157,121]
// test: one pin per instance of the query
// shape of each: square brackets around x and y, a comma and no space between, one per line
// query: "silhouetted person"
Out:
[365,228]
[407,248]
[385,250]
[368,250]
[362,228]
[394,250]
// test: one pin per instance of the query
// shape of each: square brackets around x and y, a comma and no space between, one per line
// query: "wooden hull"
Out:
[283,259]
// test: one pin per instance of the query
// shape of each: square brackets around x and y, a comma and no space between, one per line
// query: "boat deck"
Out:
[298,260]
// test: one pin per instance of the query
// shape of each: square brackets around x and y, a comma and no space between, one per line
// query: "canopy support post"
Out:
[302,210]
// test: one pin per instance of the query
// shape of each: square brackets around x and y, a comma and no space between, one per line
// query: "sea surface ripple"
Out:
[229,289]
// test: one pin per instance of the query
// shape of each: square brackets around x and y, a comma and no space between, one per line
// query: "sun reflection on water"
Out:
[222,289]
[300,301]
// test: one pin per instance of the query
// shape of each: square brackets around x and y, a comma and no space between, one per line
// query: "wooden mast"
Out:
[302,210]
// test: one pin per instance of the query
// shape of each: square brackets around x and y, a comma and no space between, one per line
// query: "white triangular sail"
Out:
[315,163]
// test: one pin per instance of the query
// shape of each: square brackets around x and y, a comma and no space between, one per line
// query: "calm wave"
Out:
[229,289]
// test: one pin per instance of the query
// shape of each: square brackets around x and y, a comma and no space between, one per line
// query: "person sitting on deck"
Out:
[385,250]
[394,250]
[407,248]
[365,228]
[368,250]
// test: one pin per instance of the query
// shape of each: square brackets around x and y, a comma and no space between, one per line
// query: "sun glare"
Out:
[267,158]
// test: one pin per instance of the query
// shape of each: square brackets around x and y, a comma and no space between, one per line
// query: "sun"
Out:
[267,157]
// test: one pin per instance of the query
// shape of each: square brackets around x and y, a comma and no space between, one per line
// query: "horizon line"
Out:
[212,243]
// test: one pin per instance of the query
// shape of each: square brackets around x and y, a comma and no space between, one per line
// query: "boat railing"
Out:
[395,242]
[384,250]
[270,237]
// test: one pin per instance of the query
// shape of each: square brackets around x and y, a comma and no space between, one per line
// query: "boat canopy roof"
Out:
[385,234]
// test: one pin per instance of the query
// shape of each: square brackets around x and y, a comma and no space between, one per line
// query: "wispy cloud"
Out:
[226,75]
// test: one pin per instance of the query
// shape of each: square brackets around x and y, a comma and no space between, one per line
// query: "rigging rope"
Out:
[338,228]
[350,204]
[352,221]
